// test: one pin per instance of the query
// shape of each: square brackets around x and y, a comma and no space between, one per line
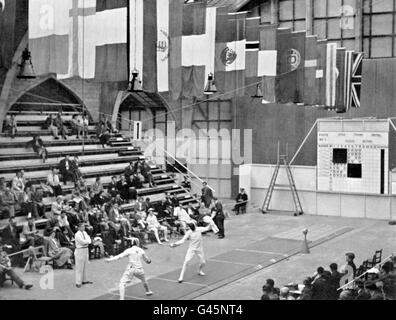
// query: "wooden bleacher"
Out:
[94,162]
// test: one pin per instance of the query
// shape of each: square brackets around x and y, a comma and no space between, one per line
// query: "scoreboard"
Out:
[353,161]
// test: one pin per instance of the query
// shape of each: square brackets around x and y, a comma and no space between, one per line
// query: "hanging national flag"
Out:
[169,46]
[331,74]
[230,53]
[356,79]
[268,61]
[297,61]
[285,90]
[252,48]
[348,78]
[321,73]
[49,35]
[311,64]
[341,80]
[198,47]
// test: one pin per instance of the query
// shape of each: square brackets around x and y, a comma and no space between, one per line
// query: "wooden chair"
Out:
[377,257]
[44,257]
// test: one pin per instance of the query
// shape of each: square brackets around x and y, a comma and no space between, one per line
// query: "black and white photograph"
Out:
[215,152]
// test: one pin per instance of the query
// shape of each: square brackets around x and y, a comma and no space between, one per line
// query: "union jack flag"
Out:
[356,80]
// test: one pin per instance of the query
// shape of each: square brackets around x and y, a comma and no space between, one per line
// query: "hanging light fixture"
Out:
[26,66]
[210,87]
[135,85]
[259,92]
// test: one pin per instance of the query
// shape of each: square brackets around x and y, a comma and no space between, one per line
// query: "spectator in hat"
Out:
[154,226]
[285,294]
[374,291]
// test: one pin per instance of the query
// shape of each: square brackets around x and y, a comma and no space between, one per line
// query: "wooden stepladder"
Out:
[282,161]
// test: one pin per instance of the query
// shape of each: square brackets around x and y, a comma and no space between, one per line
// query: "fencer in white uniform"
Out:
[194,234]
[134,267]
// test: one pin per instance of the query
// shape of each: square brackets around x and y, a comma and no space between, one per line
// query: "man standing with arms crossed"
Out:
[81,255]
[134,267]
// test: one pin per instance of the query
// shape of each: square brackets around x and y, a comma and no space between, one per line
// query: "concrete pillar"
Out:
[309,16]
[274,11]
[359,26]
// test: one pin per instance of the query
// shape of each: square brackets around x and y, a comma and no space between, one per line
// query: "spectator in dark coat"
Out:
[306,293]
[334,281]
[206,195]
[66,168]
[320,286]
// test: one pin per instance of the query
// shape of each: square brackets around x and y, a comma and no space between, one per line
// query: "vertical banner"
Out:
[311,64]
[321,73]
[331,74]
[137,130]
[267,65]
[285,90]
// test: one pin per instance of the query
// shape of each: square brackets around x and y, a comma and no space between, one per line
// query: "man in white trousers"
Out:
[134,267]
[81,255]
[193,233]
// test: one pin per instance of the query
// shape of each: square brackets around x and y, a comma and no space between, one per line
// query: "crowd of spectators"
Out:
[377,284]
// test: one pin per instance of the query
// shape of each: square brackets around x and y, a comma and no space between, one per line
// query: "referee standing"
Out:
[81,253]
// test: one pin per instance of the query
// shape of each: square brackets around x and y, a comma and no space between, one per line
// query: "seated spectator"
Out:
[320,286]
[104,135]
[99,192]
[154,226]
[64,224]
[10,125]
[66,169]
[38,204]
[123,188]
[8,200]
[6,269]
[145,170]
[57,206]
[54,182]
[30,234]
[27,201]
[130,169]
[62,256]
[334,281]
[76,127]
[50,125]
[186,184]
[18,186]
[117,221]
[241,200]
[85,125]
[306,293]
[76,172]
[58,122]
[112,187]
[374,291]
[285,294]
[388,278]
[11,237]
[137,228]
[135,181]
[361,293]
[117,199]
[140,208]
[182,217]
[38,147]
